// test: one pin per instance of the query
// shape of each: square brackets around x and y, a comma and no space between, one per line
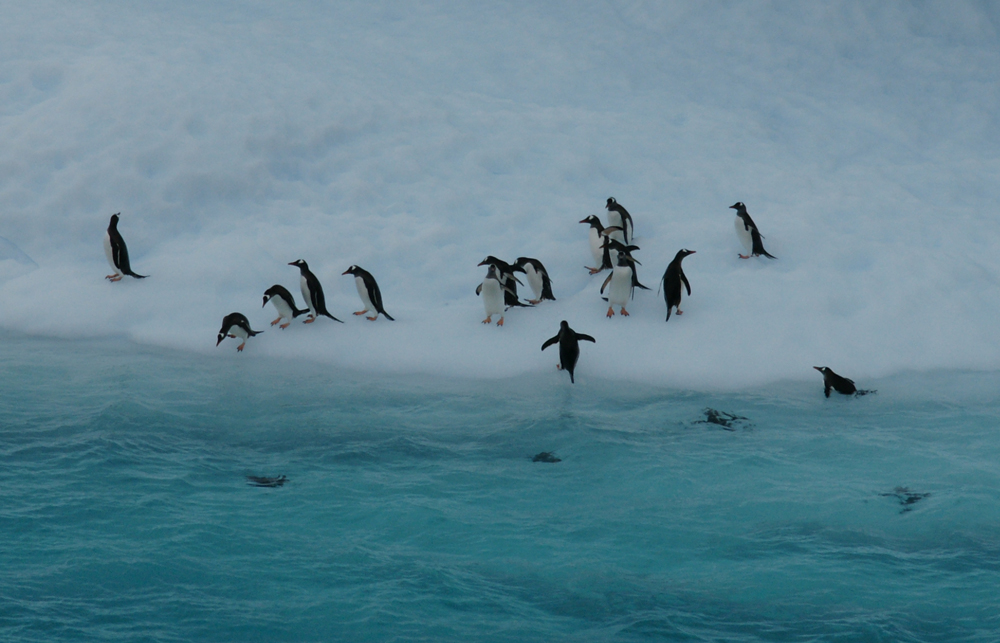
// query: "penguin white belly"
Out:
[492,295]
[534,280]
[109,254]
[238,332]
[363,293]
[615,220]
[620,287]
[745,237]
[595,247]
[280,305]
[307,295]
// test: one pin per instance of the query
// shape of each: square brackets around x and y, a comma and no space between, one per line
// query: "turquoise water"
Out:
[414,511]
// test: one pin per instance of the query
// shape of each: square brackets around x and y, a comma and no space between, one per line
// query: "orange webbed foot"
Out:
[611,312]
[372,318]
[276,321]
[239,349]
[361,312]
[624,313]
[488,319]
[310,320]
[680,312]
[534,302]
[284,326]
[500,323]
[744,256]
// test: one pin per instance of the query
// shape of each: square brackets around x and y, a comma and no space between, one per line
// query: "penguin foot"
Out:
[679,311]
[310,320]
[534,302]
[361,312]
[276,321]
[624,313]
[489,318]
[744,256]
[558,367]
[500,323]
[284,326]
[114,278]
[611,312]
[372,318]
[239,349]
[593,271]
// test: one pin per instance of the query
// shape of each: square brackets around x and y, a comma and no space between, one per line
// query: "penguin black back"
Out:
[673,277]
[312,291]
[614,206]
[371,289]
[833,381]
[569,347]
[280,291]
[750,228]
[507,279]
[118,251]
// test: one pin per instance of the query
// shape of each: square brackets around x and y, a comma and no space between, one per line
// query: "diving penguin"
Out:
[569,347]
[236,325]
[312,292]
[368,290]
[492,291]
[538,279]
[672,279]
[117,253]
[284,303]
[748,233]
[619,217]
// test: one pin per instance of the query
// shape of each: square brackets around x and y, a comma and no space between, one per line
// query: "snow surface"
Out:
[415,139]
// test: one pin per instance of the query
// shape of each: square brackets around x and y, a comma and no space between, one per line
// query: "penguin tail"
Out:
[296,312]
[387,315]
[861,392]
[254,333]
[571,379]
[668,314]
[332,317]
[132,274]
[767,254]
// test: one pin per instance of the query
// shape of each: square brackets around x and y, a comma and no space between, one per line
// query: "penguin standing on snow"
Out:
[368,290]
[748,233]
[236,325]
[492,291]
[117,253]
[600,253]
[620,218]
[505,272]
[284,303]
[569,347]
[611,245]
[672,279]
[840,384]
[538,279]
[621,285]
[312,292]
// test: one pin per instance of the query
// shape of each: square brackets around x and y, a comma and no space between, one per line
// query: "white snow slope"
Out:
[414,139]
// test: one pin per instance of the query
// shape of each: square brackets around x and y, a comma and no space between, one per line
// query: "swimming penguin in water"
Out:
[840,384]
[284,303]
[672,279]
[492,291]
[597,248]
[117,253]
[505,272]
[569,347]
[236,325]
[748,233]
[621,285]
[312,292]
[538,279]
[368,290]
[619,217]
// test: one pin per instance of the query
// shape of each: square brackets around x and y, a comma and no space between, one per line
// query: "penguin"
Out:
[621,285]
[492,291]
[312,292]
[506,273]
[117,253]
[597,234]
[236,325]
[569,347]
[368,290]
[748,233]
[284,303]
[840,384]
[538,279]
[615,246]
[672,279]
[619,217]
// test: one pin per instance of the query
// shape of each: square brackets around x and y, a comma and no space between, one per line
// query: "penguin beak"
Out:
[733,207]
[262,305]
[348,271]
[220,340]
[587,220]
[818,368]
[482,263]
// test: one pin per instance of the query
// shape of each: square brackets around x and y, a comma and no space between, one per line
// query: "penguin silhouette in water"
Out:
[236,325]
[748,233]
[569,347]
[672,279]
[838,383]
[117,252]
[312,292]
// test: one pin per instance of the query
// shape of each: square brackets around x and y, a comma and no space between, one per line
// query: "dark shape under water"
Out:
[260,481]
[906,497]
[721,418]
[546,456]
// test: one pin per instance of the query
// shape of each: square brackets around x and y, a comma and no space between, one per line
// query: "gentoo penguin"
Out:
[671,281]
[569,347]
[236,325]
[621,285]
[614,246]
[117,253]
[368,290]
[600,253]
[620,218]
[492,291]
[312,292]
[505,272]
[284,303]
[748,233]
[840,384]
[538,279]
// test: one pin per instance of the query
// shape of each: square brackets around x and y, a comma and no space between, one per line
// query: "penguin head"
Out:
[302,265]
[683,252]
[593,221]
[564,325]
[624,259]
[114,220]
[222,336]
[822,369]
[490,260]
[611,203]
[353,270]
[267,298]
[738,206]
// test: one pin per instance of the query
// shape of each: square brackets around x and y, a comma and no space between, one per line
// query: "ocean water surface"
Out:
[414,511]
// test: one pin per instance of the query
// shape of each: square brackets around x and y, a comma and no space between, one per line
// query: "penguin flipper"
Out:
[606,282]
[826,390]
[586,338]
[550,342]
[685,280]
[479,289]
